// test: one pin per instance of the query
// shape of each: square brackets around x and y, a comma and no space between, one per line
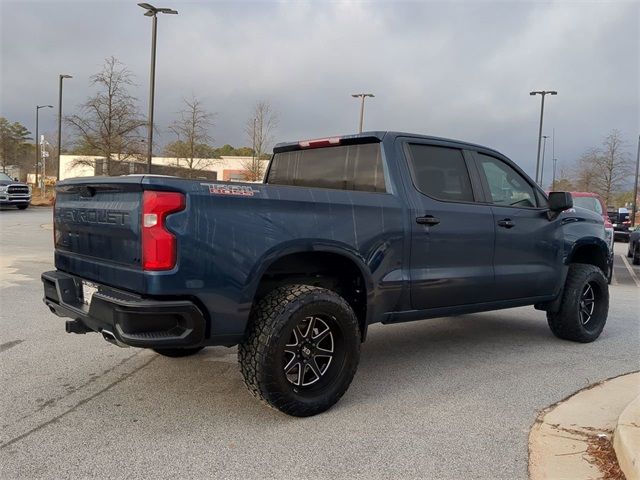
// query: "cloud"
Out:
[461,70]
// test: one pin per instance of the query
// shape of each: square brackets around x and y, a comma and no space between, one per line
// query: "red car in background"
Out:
[595,203]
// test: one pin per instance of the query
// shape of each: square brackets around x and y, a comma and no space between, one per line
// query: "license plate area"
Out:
[88,289]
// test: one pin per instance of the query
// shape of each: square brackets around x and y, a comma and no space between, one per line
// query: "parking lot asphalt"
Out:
[444,398]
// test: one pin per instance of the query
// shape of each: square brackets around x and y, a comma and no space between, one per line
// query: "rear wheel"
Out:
[584,306]
[302,349]
[177,352]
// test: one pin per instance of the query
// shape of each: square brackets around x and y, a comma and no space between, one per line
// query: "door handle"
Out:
[428,220]
[506,223]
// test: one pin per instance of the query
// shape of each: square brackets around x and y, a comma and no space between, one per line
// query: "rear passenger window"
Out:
[506,185]
[347,167]
[440,173]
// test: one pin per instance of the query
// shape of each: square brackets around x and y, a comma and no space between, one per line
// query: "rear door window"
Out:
[440,172]
[345,167]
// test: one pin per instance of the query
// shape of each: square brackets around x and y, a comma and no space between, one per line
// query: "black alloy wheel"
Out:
[310,350]
[587,303]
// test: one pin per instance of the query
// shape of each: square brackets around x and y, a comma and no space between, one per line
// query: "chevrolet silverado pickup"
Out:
[344,232]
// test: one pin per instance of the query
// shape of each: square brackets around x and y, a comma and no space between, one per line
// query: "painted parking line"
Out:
[630,269]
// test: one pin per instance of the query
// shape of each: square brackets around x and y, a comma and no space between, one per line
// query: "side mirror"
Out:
[560,201]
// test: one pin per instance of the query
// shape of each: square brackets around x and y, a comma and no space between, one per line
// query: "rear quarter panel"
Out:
[227,240]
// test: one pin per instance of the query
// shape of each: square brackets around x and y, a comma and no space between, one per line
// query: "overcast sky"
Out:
[454,69]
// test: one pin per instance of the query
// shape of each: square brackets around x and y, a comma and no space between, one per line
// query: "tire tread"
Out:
[560,322]
[265,327]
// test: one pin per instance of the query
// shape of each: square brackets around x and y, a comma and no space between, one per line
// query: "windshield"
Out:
[4,176]
[590,203]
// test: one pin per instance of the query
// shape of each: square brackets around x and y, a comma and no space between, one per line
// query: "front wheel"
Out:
[301,351]
[584,305]
[22,207]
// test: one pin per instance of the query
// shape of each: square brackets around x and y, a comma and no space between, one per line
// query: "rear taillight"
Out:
[158,243]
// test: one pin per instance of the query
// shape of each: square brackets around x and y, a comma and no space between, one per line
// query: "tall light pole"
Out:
[38,107]
[544,149]
[553,183]
[62,77]
[634,208]
[362,96]
[253,146]
[152,11]
[543,93]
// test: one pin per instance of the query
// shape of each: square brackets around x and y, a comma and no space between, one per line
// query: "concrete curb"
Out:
[626,440]
[566,435]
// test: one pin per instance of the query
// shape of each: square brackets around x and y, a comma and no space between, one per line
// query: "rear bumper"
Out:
[133,320]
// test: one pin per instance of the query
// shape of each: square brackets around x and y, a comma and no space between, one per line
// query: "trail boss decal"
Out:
[223,189]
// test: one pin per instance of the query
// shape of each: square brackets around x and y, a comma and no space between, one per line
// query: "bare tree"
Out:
[259,129]
[108,123]
[562,183]
[192,131]
[603,170]
[613,165]
[586,172]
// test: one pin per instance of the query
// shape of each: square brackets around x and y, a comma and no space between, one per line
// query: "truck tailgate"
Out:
[99,219]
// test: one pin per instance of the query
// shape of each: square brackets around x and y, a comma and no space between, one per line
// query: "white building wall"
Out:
[226,168]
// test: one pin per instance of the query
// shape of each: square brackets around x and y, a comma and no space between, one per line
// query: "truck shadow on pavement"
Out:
[394,359]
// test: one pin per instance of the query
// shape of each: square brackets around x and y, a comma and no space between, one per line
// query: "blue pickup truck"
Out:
[345,231]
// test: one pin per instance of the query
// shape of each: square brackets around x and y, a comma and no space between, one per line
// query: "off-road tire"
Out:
[567,322]
[177,352]
[262,354]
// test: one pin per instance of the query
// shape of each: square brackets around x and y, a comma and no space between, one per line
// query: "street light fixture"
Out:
[38,107]
[62,77]
[543,93]
[634,208]
[362,96]
[152,11]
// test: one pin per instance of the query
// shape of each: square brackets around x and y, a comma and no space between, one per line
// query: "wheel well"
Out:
[321,269]
[592,255]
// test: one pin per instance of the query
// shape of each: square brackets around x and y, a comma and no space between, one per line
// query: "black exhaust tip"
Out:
[76,326]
